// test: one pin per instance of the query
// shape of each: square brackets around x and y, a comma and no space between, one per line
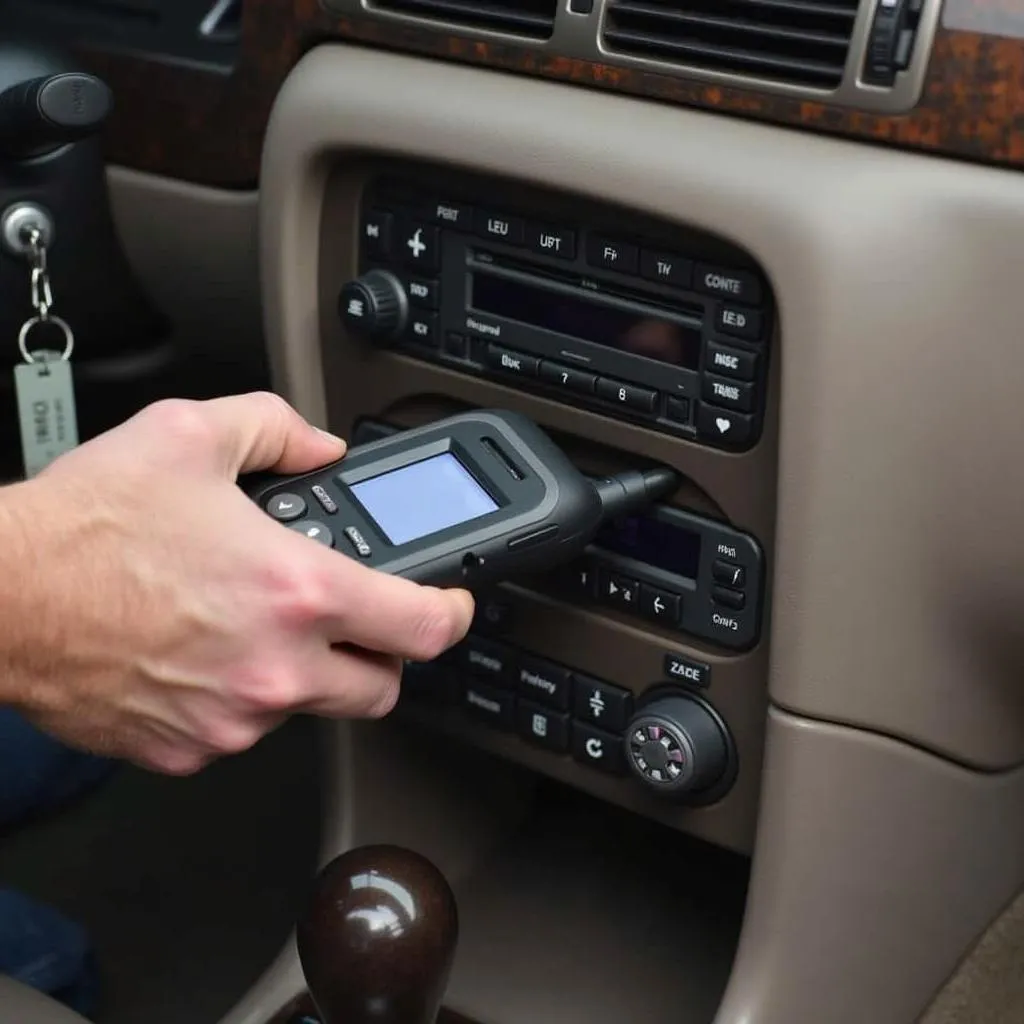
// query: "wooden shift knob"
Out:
[378,938]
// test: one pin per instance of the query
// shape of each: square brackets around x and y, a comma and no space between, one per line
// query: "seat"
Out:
[24,1005]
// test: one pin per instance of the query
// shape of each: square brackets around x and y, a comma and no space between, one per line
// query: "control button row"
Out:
[544,682]
[384,234]
[616,590]
[608,389]
[552,730]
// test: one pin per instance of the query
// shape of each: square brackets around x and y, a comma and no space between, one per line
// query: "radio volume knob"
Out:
[374,306]
[676,746]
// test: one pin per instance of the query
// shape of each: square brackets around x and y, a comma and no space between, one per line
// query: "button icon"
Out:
[356,307]
[315,532]
[285,507]
[416,244]
[722,424]
[594,748]
[597,704]
[539,725]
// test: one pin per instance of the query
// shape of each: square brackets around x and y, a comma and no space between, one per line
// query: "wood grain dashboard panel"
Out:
[207,126]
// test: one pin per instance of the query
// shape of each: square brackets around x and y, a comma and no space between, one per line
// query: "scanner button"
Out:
[516,363]
[486,659]
[597,749]
[327,503]
[315,531]
[285,507]
[358,541]
[492,706]
[731,362]
[568,377]
[628,395]
[544,682]
[660,605]
[602,704]
[618,591]
[545,728]
[528,540]
[612,254]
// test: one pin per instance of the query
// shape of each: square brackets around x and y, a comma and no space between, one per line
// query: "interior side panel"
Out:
[195,252]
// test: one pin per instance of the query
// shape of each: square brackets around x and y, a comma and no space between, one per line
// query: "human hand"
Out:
[153,612]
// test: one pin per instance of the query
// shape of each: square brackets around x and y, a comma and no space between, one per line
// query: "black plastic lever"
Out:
[42,114]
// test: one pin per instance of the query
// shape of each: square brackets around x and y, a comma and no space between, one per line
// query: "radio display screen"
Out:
[622,329]
[663,545]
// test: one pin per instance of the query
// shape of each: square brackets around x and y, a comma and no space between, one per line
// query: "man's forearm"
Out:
[20,566]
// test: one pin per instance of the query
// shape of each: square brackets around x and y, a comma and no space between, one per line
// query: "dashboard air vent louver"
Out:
[802,42]
[533,18]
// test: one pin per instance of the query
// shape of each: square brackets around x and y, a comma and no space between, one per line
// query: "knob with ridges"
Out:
[374,306]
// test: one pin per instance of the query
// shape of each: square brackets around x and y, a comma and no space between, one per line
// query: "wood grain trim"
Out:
[208,127]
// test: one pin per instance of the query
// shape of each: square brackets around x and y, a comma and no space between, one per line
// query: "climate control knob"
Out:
[374,306]
[676,746]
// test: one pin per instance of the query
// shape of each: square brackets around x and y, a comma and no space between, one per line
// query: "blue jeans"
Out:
[38,945]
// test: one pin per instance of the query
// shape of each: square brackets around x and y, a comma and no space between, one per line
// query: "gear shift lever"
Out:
[378,938]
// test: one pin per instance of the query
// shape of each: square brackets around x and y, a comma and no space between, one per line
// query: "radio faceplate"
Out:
[642,321]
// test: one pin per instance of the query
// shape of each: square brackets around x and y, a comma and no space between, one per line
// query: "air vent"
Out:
[533,18]
[801,42]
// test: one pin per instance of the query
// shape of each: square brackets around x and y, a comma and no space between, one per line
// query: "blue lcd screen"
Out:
[423,498]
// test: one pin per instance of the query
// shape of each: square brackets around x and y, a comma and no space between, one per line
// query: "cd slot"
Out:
[589,288]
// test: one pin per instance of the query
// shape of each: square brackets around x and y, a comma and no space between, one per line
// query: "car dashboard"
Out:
[773,245]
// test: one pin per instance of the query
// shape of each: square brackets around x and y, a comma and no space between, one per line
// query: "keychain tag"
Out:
[45,393]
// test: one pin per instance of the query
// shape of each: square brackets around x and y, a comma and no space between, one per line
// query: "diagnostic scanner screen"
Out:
[423,498]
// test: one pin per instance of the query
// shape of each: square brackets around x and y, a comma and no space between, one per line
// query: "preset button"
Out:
[516,363]
[728,394]
[731,362]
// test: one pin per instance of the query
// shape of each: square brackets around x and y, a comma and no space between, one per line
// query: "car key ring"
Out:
[43,380]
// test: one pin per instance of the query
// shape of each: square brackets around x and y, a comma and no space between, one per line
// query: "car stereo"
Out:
[640,321]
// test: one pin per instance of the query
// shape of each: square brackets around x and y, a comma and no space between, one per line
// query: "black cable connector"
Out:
[634,490]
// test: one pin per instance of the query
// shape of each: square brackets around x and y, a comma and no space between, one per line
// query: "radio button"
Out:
[500,228]
[732,284]
[491,706]
[547,241]
[660,606]
[602,704]
[612,255]
[629,395]
[545,728]
[731,362]
[727,393]
[423,292]
[598,749]
[545,683]
[486,659]
[422,329]
[451,215]
[678,410]
[742,323]
[728,573]
[666,268]
[578,381]
[686,670]
[726,598]
[377,230]
[618,591]
[419,246]
[516,363]
[731,429]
